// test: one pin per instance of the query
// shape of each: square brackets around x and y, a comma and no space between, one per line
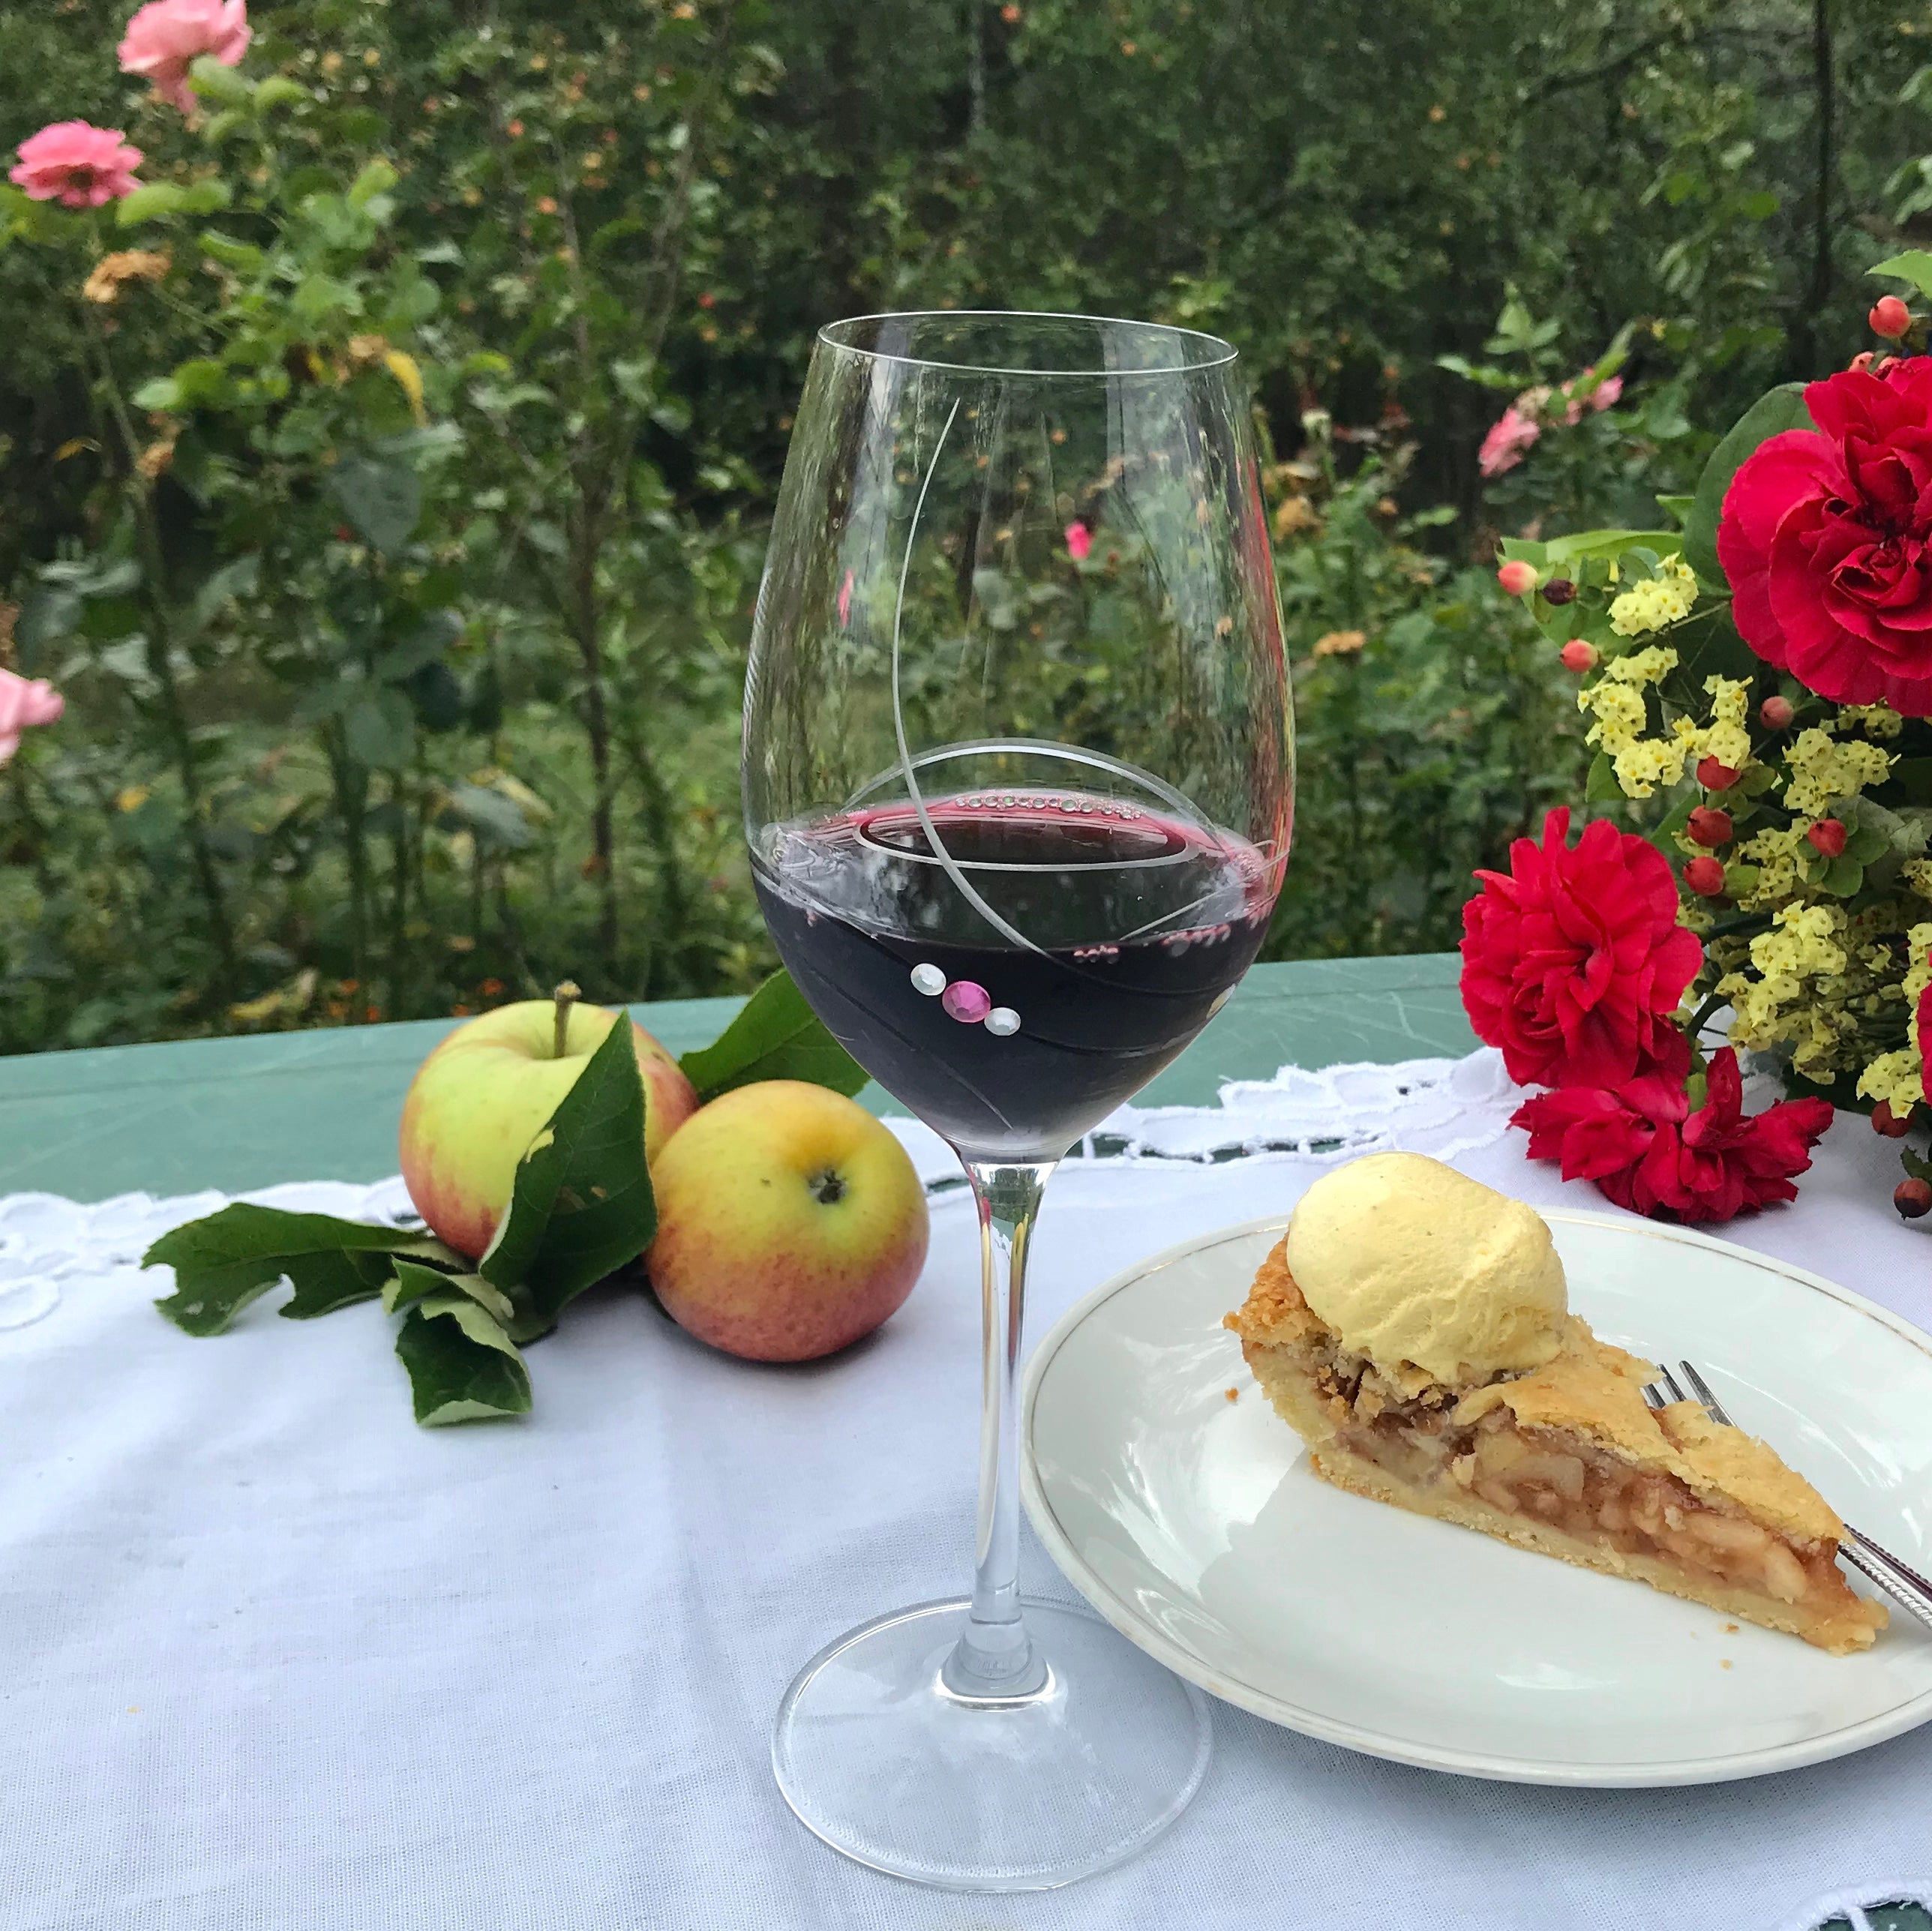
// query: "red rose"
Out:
[1826,538]
[1573,961]
[1647,1151]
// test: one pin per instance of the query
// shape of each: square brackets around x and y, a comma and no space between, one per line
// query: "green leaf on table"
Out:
[777,1035]
[1914,266]
[227,1260]
[462,1366]
[581,1207]
[1784,408]
[413,1282]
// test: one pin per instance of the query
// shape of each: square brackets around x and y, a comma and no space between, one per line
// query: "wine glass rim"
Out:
[1225,352]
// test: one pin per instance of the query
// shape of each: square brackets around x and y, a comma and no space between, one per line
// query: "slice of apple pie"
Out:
[1412,1327]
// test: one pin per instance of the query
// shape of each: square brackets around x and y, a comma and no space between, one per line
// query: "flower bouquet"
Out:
[1763,672]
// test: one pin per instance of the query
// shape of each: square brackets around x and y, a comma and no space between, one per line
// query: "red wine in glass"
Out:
[1106,937]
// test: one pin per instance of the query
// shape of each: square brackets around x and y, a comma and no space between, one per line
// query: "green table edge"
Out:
[239,1114]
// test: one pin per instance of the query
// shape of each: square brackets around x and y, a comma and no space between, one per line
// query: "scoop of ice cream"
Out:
[1407,1260]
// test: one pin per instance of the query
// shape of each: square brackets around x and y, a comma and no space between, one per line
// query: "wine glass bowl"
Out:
[1018,784]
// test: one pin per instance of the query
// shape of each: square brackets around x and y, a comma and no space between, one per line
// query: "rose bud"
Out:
[1578,654]
[1775,714]
[1559,590]
[1889,1125]
[1517,578]
[1860,363]
[1705,877]
[1828,837]
[1889,317]
[1708,827]
[1715,775]
[1912,1198]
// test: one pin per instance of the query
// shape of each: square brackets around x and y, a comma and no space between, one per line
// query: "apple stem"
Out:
[566,995]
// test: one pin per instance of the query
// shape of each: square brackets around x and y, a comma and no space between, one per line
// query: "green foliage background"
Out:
[395,551]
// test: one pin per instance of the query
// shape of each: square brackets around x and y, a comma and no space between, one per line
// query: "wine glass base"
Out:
[880,1759]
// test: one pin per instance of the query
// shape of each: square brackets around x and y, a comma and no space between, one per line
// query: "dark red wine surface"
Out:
[1132,926]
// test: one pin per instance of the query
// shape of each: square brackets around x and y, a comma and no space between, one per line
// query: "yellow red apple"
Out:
[483,1095]
[789,1222]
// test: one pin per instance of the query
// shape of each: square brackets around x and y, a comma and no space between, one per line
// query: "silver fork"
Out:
[1876,1564]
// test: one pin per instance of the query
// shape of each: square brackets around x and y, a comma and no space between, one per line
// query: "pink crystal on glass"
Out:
[966,1002]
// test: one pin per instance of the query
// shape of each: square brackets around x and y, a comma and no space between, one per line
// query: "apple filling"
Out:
[1573,1486]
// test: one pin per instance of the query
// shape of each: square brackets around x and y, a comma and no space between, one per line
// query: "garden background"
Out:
[389,508]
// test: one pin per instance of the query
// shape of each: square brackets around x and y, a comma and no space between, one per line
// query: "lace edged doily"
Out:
[1439,1107]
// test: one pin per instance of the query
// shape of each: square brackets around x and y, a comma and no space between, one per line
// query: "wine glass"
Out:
[1019,780]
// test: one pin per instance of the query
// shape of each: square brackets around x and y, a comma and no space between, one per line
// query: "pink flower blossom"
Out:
[1599,399]
[167,37]
[845,601]
[1510,435]
[1079,541]
[25,702]
[76,164]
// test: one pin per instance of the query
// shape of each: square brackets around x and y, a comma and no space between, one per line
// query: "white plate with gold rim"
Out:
[1193,1524]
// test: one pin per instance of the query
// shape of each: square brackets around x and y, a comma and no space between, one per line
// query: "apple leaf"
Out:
[777,1035]
[1782,409]
[462,1366]
[225,1261]
[582,1204]
[413,1282]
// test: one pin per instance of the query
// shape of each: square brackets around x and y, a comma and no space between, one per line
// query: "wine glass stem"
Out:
[994,1657]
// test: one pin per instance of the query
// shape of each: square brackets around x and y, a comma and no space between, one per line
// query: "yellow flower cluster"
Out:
[1616,700]
[1727,740]
[1880,719]
[1898,1077]
[1657,602]
[1917,873]
[1823,771]
[1821,986]
[1777,854]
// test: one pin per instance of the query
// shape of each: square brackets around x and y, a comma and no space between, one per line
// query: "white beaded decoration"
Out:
[1003,1021]
[929,980]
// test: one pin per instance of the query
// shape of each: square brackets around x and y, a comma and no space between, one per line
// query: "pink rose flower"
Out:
[1599,399]
[78,165]
[167,37]
[1079,541]
[25,702]
[1510,435]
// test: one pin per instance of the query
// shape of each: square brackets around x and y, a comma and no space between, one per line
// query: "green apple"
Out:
[483,1095]
[789,1222]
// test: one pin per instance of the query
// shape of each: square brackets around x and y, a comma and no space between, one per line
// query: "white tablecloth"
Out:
[277,1657]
